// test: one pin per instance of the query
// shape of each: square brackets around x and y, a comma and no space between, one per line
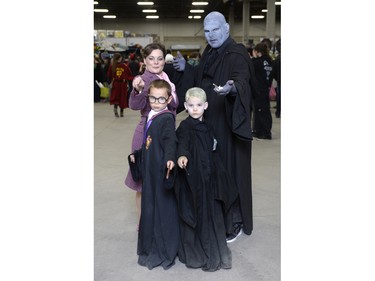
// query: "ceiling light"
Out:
[109,16]
[264,11]
[278,3]
[152,17]
[96,2]
[101,10]
[145,3]
[199,3]
[149,11]
[257,17]
[194,17]
[196,11]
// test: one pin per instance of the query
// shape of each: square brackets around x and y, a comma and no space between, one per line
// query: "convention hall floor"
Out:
[255,257]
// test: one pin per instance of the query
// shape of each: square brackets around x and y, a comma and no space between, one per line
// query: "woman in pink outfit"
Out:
[154,59]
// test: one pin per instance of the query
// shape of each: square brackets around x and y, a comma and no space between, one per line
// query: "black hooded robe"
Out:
[158,236]
[199,196]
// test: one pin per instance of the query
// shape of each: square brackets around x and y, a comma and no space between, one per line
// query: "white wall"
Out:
[183,32]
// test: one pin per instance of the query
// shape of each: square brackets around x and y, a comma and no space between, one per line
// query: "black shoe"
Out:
[236,232]
[116,114]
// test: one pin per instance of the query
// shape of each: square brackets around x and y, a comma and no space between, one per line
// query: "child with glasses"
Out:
[153,57]
[200,187]
[158,235]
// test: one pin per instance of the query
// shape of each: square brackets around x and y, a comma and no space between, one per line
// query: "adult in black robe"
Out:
[263,67]
[228,112]
[198,191]
[158,236]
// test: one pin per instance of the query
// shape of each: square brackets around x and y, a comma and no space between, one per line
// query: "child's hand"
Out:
[132,158]
[182,162]
[170,166]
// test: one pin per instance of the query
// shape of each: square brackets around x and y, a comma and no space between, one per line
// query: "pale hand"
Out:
[138,84]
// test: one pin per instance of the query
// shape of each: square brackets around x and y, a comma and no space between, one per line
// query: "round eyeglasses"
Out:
[160,100]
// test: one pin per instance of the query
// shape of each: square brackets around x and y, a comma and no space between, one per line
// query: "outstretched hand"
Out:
[138,83]
[179,62]
[226,89]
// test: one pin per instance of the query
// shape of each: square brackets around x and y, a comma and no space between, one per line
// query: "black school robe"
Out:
[230,117]
[199,194]
[158,235]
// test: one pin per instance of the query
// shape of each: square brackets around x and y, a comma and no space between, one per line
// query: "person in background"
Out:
[119,74]
[168,67]
[158,235]
[198,181]
[106,62]
[194,58]
[106,59]
[224,73]
[98,77]
[269,45]
[134,66]
[277,77]
[153,58]
[262,122]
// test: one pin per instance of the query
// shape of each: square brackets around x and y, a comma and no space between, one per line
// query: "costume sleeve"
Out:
[136,168]
[138,101]
[169,143]
[169,140]
[238,107]
[185,192]
[183,140]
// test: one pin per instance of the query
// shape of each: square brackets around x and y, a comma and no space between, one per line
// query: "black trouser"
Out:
[262,122]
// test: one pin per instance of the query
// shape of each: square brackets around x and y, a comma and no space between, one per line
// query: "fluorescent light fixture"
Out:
[109,16]
[278,3]
[152,17]
[149,11]
[196,11]
[194,17]
[264,11]
[96,2]
[145,3]
[101,10]
[199,3]
[257,17]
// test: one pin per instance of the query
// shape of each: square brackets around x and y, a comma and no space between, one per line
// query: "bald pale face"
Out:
[216,29]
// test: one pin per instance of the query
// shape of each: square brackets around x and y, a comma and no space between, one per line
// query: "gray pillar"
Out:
[271,19]
[245,21]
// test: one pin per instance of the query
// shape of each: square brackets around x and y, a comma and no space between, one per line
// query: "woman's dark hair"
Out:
[146,51]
